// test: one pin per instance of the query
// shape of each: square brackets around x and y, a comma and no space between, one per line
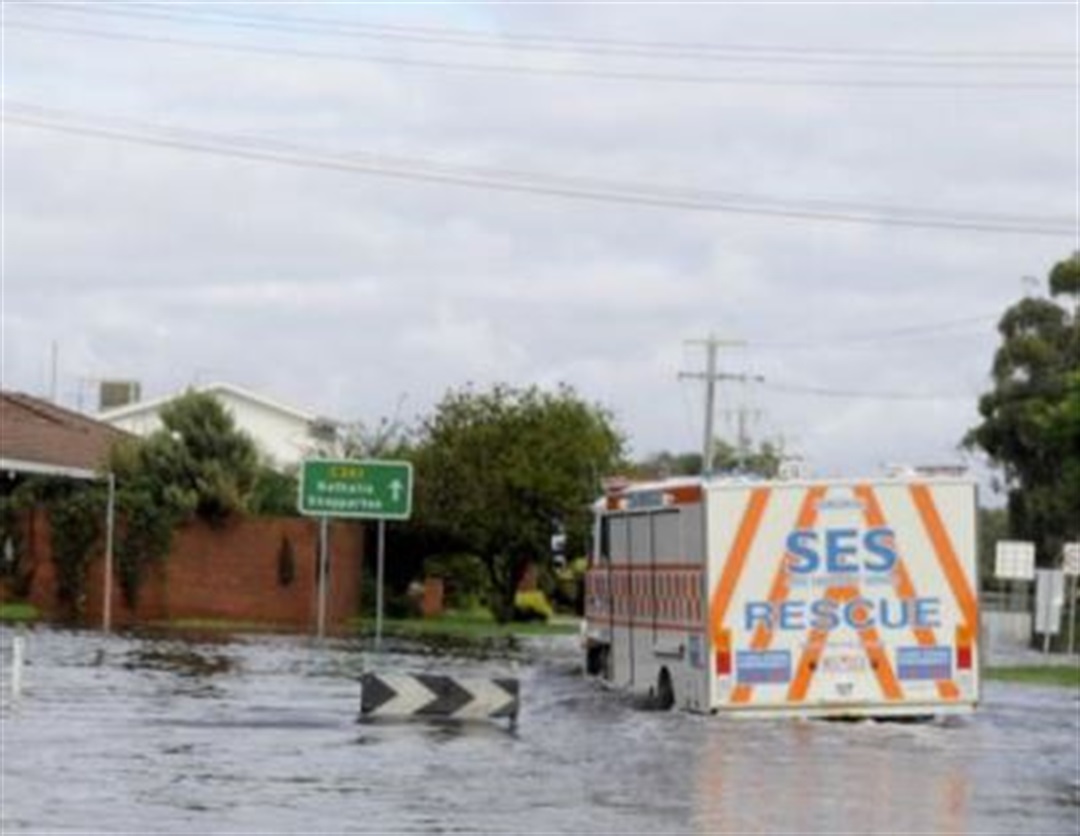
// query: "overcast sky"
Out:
[351,208]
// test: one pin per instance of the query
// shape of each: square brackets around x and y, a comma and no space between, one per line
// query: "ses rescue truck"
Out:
[822,598]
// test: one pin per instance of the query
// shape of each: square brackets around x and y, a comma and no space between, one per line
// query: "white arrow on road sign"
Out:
[395,490]
[489,698]
[410,696]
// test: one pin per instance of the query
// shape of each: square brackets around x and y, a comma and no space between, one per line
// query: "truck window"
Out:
[665,537]
[619,542]
[641,538]
[693,534]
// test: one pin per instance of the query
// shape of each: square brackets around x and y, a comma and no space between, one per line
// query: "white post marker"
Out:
[17,651]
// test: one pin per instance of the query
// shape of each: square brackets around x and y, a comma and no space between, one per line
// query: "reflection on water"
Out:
[179,659]
[145,734]
[820,777]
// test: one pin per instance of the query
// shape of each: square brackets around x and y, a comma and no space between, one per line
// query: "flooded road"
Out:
[259,735]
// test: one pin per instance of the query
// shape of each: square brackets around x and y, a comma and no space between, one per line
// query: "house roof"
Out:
[151,406]
[37,436]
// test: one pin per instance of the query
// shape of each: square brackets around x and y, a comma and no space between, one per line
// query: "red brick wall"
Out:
[228,572]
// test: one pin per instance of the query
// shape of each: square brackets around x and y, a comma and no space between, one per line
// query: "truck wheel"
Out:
[596,661]
[665,691]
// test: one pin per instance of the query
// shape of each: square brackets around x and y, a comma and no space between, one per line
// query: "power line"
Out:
[903,59]
[708,47]
[563,40]
[550,72]
[908,333]
[263,150]
[680,192]
[854,394]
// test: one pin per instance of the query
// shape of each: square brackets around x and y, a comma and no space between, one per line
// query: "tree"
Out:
[274,493]
[202,454]
[1031,418]
[198,463]
[385,439]
[764,461]
[665,464]
[993,525]
[498,471]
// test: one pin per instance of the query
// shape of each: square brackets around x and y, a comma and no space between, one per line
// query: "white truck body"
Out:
[813,598]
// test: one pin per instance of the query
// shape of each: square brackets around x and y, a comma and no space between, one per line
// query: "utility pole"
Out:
[712,344]
[743,415]
[54,365]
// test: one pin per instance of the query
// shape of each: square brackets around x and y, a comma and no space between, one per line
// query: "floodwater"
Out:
[259,735]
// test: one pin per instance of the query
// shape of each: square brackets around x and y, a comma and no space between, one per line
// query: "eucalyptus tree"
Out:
[1030,424]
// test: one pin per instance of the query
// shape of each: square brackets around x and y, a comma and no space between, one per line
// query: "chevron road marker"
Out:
[437,696]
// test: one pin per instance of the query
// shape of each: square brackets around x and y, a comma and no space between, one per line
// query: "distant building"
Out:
[113,394]
[283,435]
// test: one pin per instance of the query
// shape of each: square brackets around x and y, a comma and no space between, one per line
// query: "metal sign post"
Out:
[323,530]
[1014,563]
[110,525]
[381,560]
[1070,564]
[355,489]
[1072,614]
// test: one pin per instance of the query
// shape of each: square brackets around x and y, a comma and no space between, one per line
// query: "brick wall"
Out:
[228,572]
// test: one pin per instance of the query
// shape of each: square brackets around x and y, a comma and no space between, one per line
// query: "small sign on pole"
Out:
[1049,598]
[1070,559]
[1015,560]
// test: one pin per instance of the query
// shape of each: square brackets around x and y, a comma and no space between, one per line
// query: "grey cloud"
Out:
[342,292]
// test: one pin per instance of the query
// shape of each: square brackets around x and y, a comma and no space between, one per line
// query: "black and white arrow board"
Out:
[433,695]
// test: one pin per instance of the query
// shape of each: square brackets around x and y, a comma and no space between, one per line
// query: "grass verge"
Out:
[1066,675]
[17,612]
[216,625]
[478,626]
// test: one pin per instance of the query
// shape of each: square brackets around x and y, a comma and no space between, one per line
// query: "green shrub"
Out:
[465,577]
[273,494]
[16,569]
[532,606]
[75,529]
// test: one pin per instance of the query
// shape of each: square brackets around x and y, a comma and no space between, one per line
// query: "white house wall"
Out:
[284,439]
[141,424]
[281,438]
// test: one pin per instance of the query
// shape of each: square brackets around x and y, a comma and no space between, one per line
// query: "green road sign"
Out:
[369,489]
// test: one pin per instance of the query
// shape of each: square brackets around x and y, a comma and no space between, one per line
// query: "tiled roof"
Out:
[39,433]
